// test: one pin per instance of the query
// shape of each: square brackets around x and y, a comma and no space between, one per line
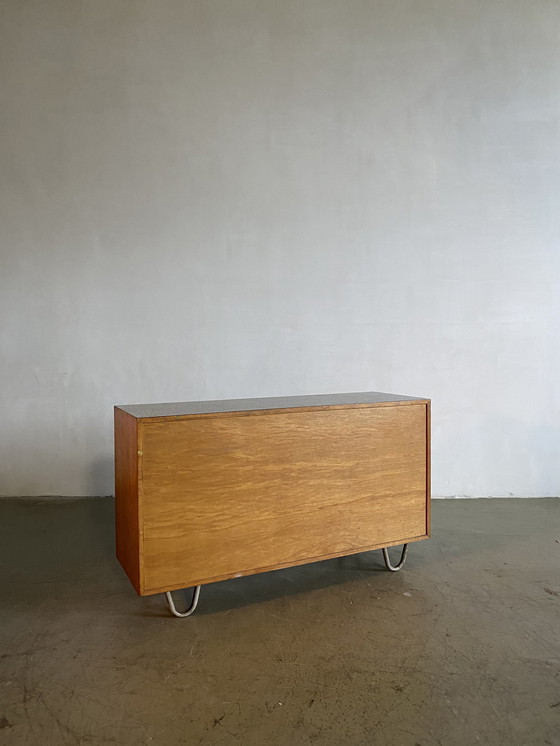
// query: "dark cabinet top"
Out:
[179,409]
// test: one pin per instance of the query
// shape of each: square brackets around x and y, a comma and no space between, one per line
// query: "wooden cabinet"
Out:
[207,491]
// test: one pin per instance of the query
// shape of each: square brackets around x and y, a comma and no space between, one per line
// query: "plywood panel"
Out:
[126,496]
[229,496]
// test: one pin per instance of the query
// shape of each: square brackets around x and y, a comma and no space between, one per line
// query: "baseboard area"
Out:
[495,497]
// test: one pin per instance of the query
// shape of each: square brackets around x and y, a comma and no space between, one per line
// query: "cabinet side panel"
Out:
[126,495]
[428,468]
[232,496]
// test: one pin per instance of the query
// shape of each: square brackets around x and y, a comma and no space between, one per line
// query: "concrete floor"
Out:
[461,647]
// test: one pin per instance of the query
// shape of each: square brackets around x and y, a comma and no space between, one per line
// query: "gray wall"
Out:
[226,198]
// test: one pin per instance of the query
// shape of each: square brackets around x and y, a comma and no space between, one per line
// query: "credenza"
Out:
[212,490]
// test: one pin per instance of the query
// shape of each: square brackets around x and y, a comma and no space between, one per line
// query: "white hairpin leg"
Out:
[388,565]
[191,608]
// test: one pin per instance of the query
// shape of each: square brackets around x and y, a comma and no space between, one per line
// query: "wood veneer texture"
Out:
[220,495]
[127,508]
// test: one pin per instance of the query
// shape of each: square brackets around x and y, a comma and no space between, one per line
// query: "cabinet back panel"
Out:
[230,496]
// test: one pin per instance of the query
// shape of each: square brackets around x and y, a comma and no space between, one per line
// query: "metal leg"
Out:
[388,565]
[191,608]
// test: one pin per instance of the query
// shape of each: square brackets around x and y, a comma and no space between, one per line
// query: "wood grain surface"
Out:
[428,468]
[229,496]
[127,518]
